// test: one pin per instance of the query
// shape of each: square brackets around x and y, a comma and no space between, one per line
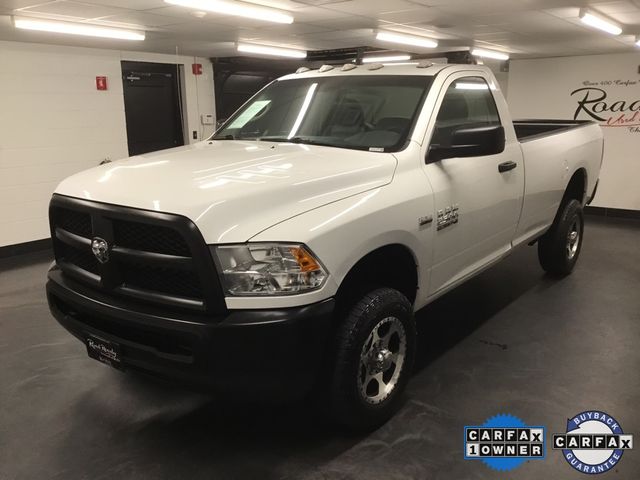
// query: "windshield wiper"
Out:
[303,140]
[225,137]
[277,139]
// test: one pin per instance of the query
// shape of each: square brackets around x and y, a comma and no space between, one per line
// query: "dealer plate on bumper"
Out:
[104,351]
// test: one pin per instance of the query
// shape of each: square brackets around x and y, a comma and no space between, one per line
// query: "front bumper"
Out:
[270,353]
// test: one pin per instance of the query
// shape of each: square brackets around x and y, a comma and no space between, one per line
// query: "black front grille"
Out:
[82,258]
[75,222]
[152,257]
[162,279]
[150,238]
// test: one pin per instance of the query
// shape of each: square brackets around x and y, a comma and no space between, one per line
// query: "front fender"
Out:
[343,232]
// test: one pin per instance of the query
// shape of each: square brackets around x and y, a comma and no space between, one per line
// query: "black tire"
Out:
[556,253]
[385,310]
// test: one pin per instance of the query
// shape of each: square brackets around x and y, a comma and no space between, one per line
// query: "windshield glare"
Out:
[360,112]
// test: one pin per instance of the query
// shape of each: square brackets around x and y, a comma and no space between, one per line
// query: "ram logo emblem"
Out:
[100,249]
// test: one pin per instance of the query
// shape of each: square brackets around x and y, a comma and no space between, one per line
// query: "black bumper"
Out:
[269,353]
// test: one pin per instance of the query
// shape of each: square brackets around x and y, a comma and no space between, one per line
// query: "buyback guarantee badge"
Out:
[504,442]
[593,443]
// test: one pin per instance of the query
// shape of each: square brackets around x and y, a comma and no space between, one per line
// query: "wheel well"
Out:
[577,187]
[390,266]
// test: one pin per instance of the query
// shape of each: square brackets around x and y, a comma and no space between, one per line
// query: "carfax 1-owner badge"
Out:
[504,442]
[593,443]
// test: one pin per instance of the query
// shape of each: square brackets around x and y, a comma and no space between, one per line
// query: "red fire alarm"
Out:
[196,68]
[101,83]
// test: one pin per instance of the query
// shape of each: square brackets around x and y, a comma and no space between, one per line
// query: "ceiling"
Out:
[524,28]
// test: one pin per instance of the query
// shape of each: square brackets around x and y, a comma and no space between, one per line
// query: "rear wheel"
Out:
[374,348]
[559,248]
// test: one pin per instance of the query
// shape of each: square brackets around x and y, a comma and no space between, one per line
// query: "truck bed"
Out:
[531,129]
[553,149]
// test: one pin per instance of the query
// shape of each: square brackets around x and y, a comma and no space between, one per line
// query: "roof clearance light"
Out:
[388,58]
[599,22]
[271,51]
[238,9]
[406,39]
[72,28]
[480,52]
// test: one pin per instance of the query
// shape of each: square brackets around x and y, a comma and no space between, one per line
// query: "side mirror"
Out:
[470,142]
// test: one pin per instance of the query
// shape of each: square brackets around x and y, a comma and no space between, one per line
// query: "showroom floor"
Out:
[510,341]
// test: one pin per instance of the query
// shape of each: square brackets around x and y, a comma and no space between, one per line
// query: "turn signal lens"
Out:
[306,262]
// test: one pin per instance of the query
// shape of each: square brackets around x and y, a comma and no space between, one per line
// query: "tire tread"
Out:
[551,247]
[345,405]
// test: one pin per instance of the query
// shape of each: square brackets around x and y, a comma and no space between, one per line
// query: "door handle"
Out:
[506,166]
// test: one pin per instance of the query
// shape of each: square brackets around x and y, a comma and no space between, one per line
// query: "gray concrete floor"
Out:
[509,341]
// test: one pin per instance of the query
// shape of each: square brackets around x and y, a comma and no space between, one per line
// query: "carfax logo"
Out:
[593,443]
[504,442]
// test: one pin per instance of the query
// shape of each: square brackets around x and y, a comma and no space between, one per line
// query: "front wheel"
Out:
[375,346]
[559,248]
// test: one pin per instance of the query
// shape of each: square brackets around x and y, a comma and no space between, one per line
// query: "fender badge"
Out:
[425,220]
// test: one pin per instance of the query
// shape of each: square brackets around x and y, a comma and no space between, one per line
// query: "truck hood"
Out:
[233,189]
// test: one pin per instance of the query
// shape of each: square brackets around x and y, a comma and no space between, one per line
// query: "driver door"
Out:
[477,201]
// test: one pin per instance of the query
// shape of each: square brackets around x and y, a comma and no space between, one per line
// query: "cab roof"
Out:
[422,68]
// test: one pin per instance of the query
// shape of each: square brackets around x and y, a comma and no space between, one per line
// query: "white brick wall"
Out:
[53,122]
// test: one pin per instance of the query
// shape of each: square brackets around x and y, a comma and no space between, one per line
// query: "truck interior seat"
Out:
[348,120]
[393,124]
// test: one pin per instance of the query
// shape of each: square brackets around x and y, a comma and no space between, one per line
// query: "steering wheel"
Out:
[368,126]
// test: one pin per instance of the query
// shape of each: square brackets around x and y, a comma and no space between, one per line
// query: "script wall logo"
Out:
[597,101]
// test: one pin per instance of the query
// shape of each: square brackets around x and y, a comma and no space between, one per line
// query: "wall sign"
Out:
[612,103]
[101,83]
[600,88]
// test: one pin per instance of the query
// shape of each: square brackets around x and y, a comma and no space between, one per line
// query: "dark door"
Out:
[237,79]
[152,106]
[233,89]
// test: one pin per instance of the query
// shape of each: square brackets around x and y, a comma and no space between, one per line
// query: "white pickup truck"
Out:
[291,250]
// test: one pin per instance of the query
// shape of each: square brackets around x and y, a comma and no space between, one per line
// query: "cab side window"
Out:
[468,103]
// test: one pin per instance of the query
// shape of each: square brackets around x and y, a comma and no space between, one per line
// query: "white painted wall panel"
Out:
[54,123]
[49,156]
[16,195]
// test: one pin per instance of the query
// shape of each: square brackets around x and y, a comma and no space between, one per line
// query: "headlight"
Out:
[268,269]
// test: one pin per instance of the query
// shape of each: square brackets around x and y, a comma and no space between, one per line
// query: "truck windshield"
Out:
[363,112]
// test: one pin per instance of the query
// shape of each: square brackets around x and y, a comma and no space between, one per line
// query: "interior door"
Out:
[152,106]
[477,205]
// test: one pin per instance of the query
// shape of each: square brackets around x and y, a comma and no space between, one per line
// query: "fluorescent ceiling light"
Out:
[388,58]
[395,64]
[70,28]
[406,39]
[237,9]
[596,21]
[479,52]
[273,51]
